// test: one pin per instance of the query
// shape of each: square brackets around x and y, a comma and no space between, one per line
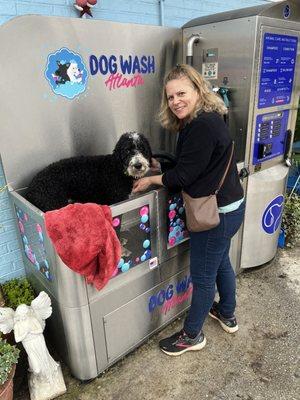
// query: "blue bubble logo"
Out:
[272,215]
[286,12]
[66,73]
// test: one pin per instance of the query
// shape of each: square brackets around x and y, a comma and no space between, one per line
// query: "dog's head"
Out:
[73,71]
[134,152]
[61,72]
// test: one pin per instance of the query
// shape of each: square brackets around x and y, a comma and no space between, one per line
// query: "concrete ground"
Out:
[259,362]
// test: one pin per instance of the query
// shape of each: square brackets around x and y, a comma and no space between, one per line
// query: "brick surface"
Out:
[8,8]
[34,8]
[177,12]
[11,264]
[3,249]
[13,245]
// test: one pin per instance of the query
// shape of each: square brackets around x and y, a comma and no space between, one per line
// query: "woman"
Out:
[203,152]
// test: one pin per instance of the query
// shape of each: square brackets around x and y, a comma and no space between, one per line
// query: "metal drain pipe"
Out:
[162,12]
[189,50]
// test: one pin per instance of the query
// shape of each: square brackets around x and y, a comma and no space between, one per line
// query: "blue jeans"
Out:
[210,265]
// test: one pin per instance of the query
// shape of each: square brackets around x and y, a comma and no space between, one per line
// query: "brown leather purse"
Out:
[202,213]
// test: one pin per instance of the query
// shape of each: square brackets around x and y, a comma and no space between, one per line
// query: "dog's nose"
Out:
[138,165]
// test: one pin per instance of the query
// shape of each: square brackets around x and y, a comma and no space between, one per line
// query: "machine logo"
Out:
[286,12]
[66,73]
[272,215]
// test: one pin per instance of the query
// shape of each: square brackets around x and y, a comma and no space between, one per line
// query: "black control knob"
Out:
[244,172]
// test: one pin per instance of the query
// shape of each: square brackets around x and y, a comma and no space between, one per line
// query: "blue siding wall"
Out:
[176,13]
[11,264]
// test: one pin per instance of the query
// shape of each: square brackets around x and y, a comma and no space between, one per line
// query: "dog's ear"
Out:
[58,63]
[118,150]
[147,145]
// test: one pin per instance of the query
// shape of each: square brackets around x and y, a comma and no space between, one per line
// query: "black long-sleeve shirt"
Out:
[202,153]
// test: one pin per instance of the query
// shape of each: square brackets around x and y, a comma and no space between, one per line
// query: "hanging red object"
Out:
[84,6]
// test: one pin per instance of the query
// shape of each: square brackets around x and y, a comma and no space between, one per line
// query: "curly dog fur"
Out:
[103,179]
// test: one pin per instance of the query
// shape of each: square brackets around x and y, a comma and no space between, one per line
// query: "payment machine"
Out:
[252,55]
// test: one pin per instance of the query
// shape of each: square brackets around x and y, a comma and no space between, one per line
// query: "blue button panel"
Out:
[270,134]
[277,70]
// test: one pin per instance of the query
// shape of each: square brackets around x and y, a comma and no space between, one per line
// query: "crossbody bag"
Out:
[202,213]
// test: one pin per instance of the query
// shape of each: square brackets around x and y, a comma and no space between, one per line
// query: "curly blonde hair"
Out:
[208,100]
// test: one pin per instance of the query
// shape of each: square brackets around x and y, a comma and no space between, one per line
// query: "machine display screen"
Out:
[277,70]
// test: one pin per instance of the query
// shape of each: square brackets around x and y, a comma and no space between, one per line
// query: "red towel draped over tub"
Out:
[85,240]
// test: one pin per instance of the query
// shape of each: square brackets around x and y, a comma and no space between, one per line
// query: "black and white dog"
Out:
[104,179]
[68,72]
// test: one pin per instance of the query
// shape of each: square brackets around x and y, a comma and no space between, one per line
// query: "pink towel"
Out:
[85,240]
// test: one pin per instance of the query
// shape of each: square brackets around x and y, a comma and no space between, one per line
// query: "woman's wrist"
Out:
[156,180]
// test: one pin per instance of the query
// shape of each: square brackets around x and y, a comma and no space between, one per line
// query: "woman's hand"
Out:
[155,166]
[142,184]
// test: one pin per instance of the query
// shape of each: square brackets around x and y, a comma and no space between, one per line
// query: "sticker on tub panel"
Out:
[135,239]
[32,237]
[272,215]
[177,231]
[153,263]
[66,73]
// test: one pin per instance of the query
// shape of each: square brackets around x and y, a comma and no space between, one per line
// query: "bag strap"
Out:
[226,170]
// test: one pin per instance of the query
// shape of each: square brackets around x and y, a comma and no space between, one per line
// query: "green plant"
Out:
[297,128]
[17,291]
[291,219]
[9,355]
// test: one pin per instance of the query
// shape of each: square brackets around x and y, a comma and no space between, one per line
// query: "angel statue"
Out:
[45,379]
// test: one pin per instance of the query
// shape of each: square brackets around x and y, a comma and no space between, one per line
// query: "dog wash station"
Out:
[251,58]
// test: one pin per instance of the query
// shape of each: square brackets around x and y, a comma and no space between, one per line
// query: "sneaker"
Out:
[180,343]
[228,324]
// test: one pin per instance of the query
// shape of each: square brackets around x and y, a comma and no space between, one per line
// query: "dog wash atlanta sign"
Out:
[122,71]
[67,73]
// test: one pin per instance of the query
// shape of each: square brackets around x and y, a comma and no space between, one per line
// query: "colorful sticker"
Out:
[66,73]
[135,238]
[177,231]
[33,242]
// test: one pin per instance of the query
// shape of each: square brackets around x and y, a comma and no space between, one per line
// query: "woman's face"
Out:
[182,97]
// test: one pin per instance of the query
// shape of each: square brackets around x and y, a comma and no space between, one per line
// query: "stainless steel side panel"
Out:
[175,264]
[236,241]
[67,287]
[235,63]
[70,331]
[259,247]
[270,9]
[119,291]
[79,340]
[133,322]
